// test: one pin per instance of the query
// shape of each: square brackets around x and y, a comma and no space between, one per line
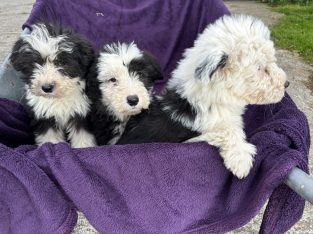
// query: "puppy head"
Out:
[126,76]
[52,60]
[236,52]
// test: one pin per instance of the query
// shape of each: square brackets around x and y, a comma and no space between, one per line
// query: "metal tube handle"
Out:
[301,183]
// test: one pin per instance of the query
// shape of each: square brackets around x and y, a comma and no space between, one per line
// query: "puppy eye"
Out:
[259,68]
[113,80]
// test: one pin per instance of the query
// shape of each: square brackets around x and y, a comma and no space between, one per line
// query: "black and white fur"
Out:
[53,62]
[232,64]
[162,122]
[119,85]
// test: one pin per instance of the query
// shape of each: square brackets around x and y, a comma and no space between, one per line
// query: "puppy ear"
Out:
[23,57]
[92,82]
[210,65]
[155,72]
[83,51]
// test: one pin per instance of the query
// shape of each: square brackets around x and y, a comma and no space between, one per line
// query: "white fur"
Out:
[61,108]
[40,40]
[80,138]
[125,52]
[250,76]
[113,64]
[51,135]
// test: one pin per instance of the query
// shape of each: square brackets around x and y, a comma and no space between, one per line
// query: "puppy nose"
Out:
[47,88]
[132,100]
[286,84]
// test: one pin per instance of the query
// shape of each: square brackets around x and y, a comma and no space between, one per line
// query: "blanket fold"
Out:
[29,201]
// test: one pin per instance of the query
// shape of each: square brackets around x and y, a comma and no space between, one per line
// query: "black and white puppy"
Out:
[54,62]
[119,85]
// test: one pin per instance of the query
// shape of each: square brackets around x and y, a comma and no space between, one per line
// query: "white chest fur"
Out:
[62,109]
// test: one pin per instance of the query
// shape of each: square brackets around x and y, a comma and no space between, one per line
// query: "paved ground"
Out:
[12,15]
[300,75]
[14,12]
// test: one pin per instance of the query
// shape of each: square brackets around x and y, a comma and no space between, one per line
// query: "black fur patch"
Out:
[180,105]
[103,123]
[200,69]
[24,57]
[147,68]
[221,64]
[156,125]
[41,126]
[206,63]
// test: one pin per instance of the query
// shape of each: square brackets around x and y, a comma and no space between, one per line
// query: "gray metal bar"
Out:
[301,183]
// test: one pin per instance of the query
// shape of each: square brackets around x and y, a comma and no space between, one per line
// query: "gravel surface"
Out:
[14,12]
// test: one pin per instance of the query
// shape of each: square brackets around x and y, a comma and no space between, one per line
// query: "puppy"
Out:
[53,62]
[119,85]
[232,64]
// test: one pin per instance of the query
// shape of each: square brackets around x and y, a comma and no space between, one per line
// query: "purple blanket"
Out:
[155,188]
[151,188]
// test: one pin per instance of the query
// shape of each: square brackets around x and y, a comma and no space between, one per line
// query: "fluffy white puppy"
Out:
[232,64]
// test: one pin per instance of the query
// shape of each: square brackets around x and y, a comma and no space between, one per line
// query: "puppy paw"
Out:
[51,135]
[83,144]
[81,139]
[194,139]
[240,160]
[191,140]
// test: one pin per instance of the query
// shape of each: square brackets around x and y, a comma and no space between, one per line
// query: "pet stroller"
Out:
[147,188]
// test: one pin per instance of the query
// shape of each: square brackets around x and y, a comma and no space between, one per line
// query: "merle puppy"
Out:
[53,62]
[119,85]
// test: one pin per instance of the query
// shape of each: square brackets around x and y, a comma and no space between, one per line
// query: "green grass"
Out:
[295,30]
[281,2]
